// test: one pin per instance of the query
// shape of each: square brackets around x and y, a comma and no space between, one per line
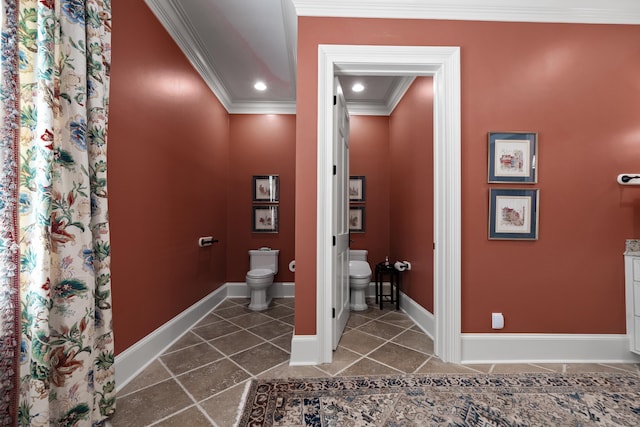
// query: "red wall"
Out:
[260,145]
[168,157]
[411,196]
[369,157]
[577,86]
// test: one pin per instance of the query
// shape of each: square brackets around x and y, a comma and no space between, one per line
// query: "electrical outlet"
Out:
[497,321]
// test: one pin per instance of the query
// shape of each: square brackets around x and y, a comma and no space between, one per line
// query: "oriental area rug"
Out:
[597,399]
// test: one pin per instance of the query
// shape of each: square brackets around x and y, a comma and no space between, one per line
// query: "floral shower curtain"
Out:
[56,354]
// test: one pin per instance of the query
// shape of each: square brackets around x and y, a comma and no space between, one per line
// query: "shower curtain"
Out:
[56,353]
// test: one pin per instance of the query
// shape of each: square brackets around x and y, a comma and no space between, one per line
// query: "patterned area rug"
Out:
[600,399]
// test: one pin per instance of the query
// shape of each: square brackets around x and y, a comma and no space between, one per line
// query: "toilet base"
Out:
[357,300]
[260,299]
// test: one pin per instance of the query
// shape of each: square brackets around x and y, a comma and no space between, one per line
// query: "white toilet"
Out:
[263,265]
[359,278]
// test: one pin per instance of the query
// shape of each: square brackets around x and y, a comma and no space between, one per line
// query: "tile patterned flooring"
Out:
[200,380]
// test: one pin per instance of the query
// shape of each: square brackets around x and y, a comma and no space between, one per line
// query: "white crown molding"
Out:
[255,107]
[368,108]
[173,19]
[566,11]
[290,20]
[398,92]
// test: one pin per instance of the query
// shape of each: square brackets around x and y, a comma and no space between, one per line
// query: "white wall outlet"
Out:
[497,321]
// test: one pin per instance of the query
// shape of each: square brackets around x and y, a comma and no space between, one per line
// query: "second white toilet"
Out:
[263,266]
[359,278]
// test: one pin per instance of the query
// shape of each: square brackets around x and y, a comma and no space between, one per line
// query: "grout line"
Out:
[422,365]
[186,408]
[365,356]
[241,302]
[150,385]
[144,387]
[409,348]
[167,353]
[544,367]
[195,402]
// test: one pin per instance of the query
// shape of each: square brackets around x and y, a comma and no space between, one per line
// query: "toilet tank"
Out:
[358,254]
[264,258]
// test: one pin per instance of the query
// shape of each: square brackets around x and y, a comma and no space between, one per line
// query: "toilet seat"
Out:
[259,273]
[359,269]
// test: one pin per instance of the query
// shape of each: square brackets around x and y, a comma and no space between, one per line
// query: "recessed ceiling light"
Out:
[358,87]
[260,86]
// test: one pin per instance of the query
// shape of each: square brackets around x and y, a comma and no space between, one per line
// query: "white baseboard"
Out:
[529,348]
[305,350]
[136,358]
[546,348]
[278,290]
[370,292]
[420,315]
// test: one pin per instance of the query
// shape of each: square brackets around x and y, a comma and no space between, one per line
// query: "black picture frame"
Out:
[357,188]
[266,188]
[264,219]
[357,219]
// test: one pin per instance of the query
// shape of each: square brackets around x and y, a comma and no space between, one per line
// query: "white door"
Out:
[340,222]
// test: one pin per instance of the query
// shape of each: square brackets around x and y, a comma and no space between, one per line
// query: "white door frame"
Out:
[443,63]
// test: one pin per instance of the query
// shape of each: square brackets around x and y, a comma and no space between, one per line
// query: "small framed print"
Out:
[512,157]
[356,188]
[265,219]
[513,214]
[356,219]
[265,188]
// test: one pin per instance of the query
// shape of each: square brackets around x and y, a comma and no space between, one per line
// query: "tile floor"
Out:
[199,381]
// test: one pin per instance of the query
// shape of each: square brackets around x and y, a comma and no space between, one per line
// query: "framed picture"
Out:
[512,157]
[265,188]
[265,219]
[356,188]
[356,219]
[513,214]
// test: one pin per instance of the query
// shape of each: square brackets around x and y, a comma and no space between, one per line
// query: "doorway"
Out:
[443,64]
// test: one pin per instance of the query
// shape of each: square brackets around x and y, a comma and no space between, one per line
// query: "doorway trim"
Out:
[443,63]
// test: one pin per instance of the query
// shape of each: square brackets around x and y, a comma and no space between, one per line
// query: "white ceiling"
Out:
[234,43]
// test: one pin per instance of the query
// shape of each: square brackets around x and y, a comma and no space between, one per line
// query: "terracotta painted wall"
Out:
[411,196]
[260,145]
[369,157]
[577,86]
[168,167]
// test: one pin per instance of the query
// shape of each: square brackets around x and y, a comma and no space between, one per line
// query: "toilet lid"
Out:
[258,273]
[359,269]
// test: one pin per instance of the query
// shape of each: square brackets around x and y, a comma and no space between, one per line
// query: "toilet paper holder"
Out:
[402,265]
[206,241]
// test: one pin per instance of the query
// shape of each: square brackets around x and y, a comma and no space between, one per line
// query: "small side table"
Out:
[385,270]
